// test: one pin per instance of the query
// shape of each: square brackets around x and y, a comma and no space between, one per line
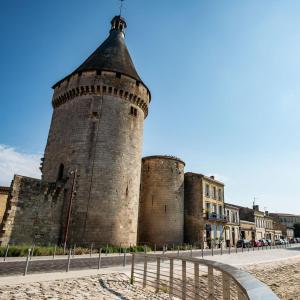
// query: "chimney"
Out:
[256,207]
[212,177]
[266,213]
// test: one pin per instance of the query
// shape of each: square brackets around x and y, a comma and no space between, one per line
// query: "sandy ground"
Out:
[283,277]
[100,287]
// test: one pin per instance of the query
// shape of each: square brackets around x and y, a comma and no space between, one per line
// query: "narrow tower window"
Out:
[133,111]
[60,172]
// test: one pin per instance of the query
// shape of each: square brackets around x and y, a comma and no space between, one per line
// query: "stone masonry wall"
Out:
[193,208]
[4,191]
[33,214]
[161,201]
[94,131]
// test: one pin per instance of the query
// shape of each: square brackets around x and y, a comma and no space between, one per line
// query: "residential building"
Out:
[269,227]
[247,230]
[256,216]
[232,228]
[204,209]
[287,219]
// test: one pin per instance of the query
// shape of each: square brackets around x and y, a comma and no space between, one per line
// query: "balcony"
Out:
[216,217]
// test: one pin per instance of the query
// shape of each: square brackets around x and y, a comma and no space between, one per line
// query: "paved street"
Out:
[16,266]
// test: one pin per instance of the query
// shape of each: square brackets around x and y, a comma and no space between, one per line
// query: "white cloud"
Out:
[14,162]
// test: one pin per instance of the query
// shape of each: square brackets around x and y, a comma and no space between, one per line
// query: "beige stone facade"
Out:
[232,228]
[204,209]
[161,209]
[286,219]
[247,230]
[4,191]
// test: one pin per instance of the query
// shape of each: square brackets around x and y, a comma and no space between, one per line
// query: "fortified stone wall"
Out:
[193,208]
[33,213]
[161,210]
[97,128]
[4,191]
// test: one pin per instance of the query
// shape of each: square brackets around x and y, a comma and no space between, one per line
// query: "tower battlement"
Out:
[102,83]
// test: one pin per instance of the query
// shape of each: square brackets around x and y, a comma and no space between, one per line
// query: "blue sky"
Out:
[224,77]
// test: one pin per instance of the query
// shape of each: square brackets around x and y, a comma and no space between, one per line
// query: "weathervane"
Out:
[121,6]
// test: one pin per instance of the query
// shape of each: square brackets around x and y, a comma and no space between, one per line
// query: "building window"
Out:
[208,206]
[220,194]
[215,208]
[133,111]
[207,190]
[214,192]
[220,211]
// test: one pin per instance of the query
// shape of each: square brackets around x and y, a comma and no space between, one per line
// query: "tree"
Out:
[297,229]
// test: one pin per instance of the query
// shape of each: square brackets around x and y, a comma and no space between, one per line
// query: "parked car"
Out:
[297,239]
[264,242]
[285,241]
[292,241]
[279,242]
[243,244]
[255,243]
[270,243]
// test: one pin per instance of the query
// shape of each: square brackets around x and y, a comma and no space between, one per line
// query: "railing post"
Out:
[132,268]
[196,280]
[69,260]
[27,262]
[171,277]
[32,251]
[202,248]
[91,250]
[54,252]
[226,286]
[145,272]
[183,295]
[6,252]
[99,260]
[178,251]
[157,274]
[74,250]
[124,258]
[210,283]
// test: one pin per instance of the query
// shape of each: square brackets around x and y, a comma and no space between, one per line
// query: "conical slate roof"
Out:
[112,54]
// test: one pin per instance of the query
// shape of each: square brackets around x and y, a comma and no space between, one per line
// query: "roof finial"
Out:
[121,6]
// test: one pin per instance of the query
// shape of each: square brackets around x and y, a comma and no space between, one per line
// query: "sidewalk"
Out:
[206,252]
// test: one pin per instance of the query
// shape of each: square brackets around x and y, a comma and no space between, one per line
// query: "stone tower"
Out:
[97,129]
[161,214]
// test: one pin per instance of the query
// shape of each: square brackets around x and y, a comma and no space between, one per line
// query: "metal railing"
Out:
[215,216]
[191,278]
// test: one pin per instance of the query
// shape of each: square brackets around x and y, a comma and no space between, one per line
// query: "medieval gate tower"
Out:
[97,129]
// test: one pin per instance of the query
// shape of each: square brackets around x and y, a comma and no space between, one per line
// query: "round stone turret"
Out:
[161,210]
[97,128]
